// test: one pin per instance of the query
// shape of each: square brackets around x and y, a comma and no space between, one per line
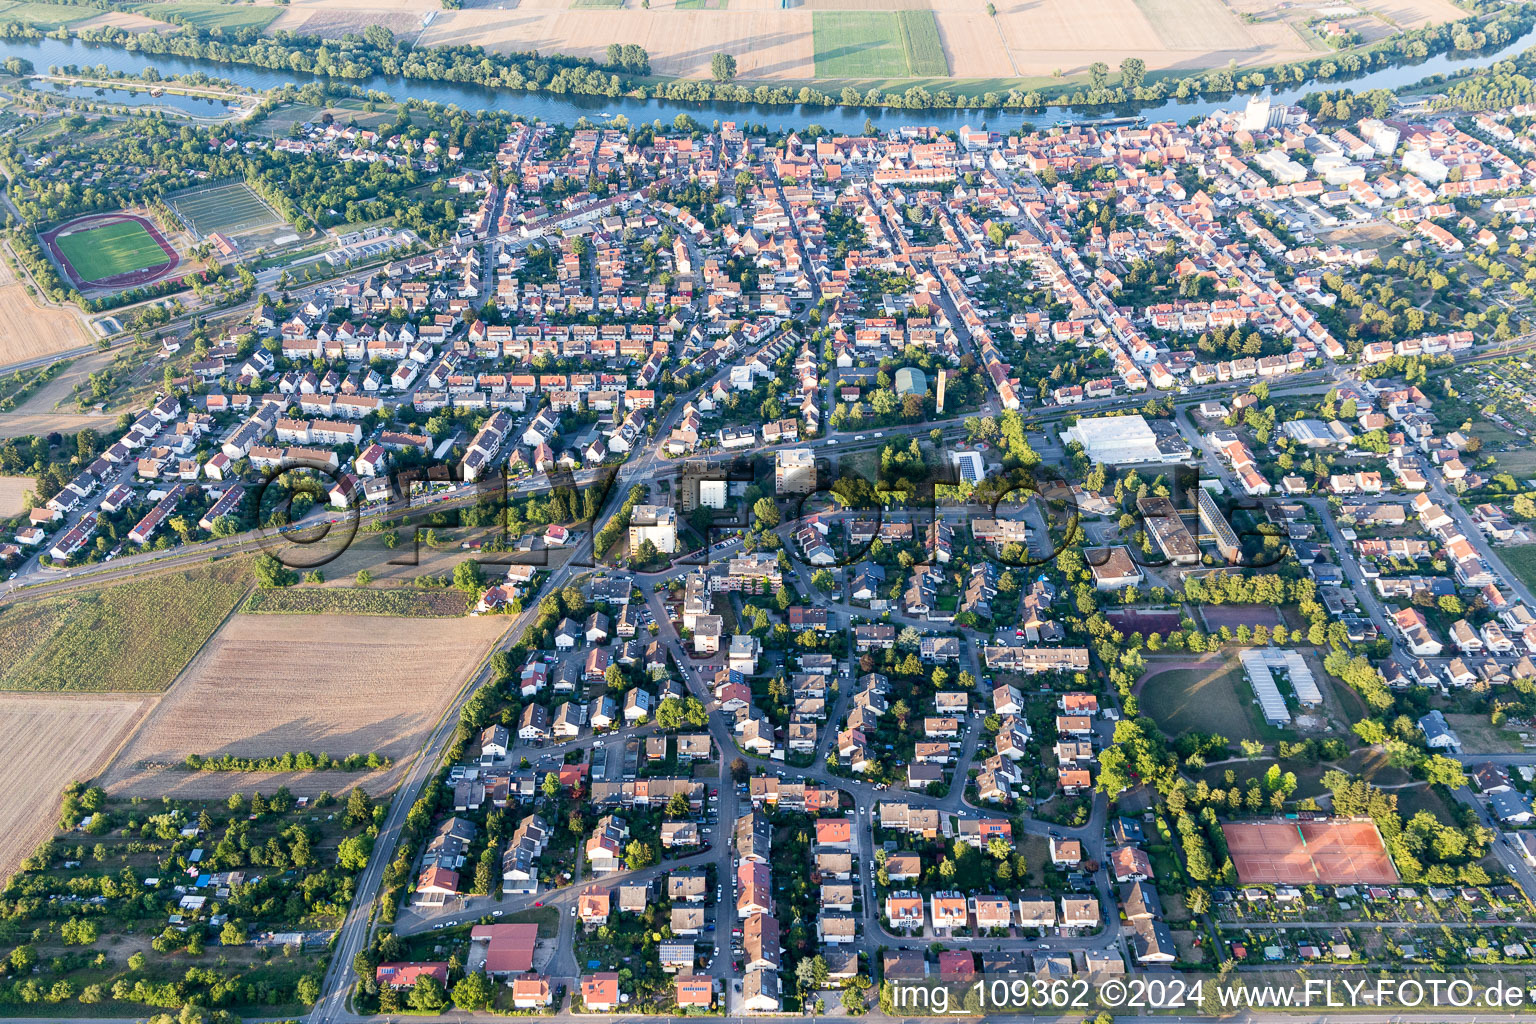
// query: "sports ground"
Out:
[112,250]
[229,209]
[1306,852]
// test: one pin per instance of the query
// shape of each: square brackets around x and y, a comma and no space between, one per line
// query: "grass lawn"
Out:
[1037,854]
[133,636]
[204,15]
[396,601]
[46,16]
[1423,798]
[1369,765]
[702,5]
[1520,463]
[1479,736]
[1521,561]
[1215,699]
[547,918]
[877,44]
[110,250]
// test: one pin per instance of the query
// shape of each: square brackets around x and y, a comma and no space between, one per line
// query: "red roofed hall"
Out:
[509,948]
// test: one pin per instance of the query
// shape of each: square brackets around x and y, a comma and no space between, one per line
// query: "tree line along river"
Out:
[45,53]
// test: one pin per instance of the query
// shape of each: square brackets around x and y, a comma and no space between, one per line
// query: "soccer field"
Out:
[111,249]
[230,209]
[877,44]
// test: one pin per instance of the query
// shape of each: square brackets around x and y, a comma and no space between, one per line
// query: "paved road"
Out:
[355,931]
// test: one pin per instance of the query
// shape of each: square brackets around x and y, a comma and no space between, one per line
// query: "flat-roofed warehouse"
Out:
[1167,530]
[1127,440]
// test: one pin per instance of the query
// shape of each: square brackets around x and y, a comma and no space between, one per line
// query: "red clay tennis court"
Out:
[1302,852]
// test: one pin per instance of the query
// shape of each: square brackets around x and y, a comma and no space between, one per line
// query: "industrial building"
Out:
[1218,528]
[1127,441]
[1166,528]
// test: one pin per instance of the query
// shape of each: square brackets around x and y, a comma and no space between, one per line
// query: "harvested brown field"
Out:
[1414,13]
[268,684]
[1027,38]
[38,415]
[335,24]
[13,491]
[29,330]
[47,741]
[768,44]
[1183,34]
[126,20]
[976,41]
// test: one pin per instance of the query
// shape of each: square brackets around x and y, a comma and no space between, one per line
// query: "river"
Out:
[559,109]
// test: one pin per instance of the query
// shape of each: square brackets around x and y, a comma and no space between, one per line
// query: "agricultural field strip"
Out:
[256,690]
[48,740]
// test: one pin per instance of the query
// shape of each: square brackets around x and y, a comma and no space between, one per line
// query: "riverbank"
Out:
[567,88]
[193,102]
[74,54]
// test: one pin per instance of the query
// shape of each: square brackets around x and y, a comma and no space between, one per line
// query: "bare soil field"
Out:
[268,684]
[1372,233]
[12,490]
[28,330]
[1043,37]
[46,741]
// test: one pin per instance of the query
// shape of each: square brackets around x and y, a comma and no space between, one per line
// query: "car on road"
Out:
[540,904]
[497,913]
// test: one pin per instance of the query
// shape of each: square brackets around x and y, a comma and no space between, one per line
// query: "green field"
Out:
[1521,561]
[205,15]
[44,16]
[109,250]
[132,636]
[398,601]
[1216,699]
[877,44]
